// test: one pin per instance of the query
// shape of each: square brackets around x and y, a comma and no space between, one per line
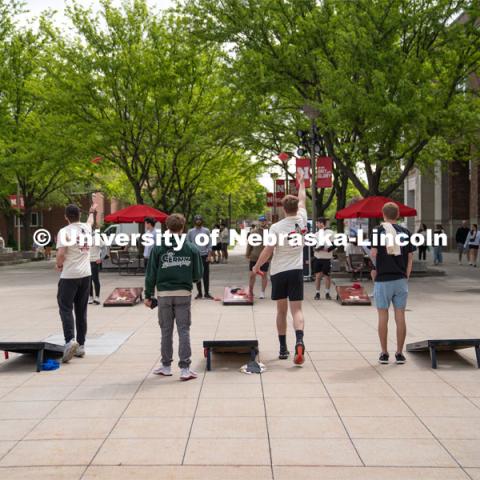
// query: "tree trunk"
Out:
[138,194]
[341,189]
[26,221]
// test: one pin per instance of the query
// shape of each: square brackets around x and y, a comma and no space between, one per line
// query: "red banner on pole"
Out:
[292,187]
[280,187]
[269,199]
[304,164]
[324,172]
[13,202]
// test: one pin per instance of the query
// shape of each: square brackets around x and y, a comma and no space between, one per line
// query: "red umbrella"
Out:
[371,207]
[136,214]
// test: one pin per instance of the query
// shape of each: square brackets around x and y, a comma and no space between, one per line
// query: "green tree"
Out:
[147,97]
[385,75]
[38,154]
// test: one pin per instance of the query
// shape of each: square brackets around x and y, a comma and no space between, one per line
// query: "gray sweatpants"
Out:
[171,310]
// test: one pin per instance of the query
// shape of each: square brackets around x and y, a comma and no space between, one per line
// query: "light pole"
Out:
[274,178]
[313,114]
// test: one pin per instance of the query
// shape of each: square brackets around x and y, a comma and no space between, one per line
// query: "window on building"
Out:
[36,220]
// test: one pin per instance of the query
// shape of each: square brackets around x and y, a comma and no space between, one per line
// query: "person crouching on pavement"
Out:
[173,273]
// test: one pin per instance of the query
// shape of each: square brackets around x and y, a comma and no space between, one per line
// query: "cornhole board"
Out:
[347,295]
[124,297]
[240,297]
[434,346]
[41,350]
[229,346]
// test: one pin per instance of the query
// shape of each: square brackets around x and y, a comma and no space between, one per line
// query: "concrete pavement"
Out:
[341,416]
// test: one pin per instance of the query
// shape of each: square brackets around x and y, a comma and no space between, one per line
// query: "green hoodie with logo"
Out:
[169,269]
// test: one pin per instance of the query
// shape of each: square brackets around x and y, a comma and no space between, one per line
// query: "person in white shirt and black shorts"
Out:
[286,270]
[322,258]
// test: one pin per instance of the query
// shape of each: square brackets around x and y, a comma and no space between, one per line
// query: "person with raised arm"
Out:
[73,263]
[286,269]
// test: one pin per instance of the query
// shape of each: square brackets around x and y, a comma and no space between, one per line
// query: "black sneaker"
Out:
[400,358]
[299,358]
[383,359]
[317,296]
[208,296]
[199,296]
[327,296]
[284,353]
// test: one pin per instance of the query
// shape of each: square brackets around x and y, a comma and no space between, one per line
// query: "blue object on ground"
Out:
[50,364]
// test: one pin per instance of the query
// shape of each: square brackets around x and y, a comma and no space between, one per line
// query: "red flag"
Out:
[304,164]
[280,188]
[324,172]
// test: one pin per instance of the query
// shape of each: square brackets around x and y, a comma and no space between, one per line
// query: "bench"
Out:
[229,346]
[41,350]
[434,346]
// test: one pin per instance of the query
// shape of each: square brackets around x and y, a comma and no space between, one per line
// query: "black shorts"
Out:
[217,248]
[263,268]
[473,247]
[287,284]
[322,265]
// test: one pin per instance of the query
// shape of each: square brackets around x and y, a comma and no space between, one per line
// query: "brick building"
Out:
[52,218]
[449,194]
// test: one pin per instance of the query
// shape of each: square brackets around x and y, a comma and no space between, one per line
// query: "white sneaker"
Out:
[69,351]
[80,351]
[163,371]
[96,301]
[90,300]
[262,295]
[187,374]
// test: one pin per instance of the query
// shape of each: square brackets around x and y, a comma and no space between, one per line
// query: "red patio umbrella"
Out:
[136,214]
[371,207]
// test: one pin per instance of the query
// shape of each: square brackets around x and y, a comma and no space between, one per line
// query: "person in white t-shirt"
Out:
[322,258]
[73,263]
[286,269]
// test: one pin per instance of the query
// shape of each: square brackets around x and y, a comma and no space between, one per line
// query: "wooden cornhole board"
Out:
[434,346]
[229,346]
[237,296]
[124,297]
[348,295]
[41,350]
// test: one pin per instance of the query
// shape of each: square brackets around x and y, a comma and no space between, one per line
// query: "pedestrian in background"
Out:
[422,249]
[194,236]
[471,244]
[438,249]
[460,238]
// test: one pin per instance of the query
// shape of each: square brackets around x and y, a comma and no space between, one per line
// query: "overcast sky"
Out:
[37,6]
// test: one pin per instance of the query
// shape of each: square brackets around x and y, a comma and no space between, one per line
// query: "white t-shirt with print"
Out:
[77,256]
[287,257]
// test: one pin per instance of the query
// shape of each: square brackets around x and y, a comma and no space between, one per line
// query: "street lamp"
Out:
[312,146]
[274,178]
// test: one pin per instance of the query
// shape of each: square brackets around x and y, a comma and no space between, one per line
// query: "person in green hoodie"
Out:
[173,271]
